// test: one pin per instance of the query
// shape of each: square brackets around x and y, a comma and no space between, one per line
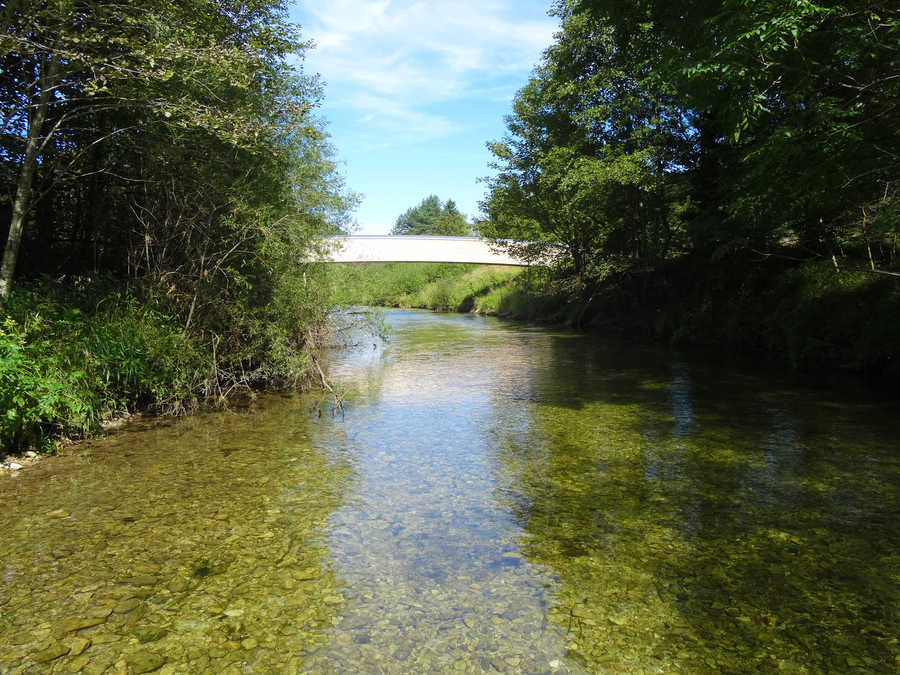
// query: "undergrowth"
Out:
[70,360]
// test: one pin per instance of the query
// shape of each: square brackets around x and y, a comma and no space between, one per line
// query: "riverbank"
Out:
[73,358]
[809,316]
[77,357]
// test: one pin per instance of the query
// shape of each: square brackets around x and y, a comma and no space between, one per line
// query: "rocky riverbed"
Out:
[13,464]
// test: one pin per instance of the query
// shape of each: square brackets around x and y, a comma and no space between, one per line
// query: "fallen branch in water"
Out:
[338,397]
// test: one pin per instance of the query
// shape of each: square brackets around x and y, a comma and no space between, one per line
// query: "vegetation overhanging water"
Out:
[493,498]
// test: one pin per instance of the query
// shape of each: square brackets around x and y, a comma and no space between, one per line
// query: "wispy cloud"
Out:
[394,62]
[398,121]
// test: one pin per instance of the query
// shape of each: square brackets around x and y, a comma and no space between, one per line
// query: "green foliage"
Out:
[383,284]
[704,161]
[477,289]
[528,294]
[809,316]
[593,159]
[71,358]
[795,108]
[431,217]
[180,156]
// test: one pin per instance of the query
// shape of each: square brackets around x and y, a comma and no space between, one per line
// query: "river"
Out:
[492,498]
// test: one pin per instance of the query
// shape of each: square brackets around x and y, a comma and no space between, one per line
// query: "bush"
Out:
[70,360]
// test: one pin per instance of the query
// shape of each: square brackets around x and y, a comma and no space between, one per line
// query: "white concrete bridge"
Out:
[406,248]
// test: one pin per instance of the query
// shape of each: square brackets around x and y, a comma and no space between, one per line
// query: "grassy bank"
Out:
[512,292]
[74,355]
[71,360]
[809,315]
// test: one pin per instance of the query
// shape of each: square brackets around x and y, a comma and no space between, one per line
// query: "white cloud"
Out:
[400,120]
[393,60]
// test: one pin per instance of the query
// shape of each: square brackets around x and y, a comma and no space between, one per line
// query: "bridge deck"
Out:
[387,248]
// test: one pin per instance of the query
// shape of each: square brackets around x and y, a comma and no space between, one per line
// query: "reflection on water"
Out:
[494,499]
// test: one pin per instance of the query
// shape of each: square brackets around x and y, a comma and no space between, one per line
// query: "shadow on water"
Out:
[196,544]
[498,498]
[699,519]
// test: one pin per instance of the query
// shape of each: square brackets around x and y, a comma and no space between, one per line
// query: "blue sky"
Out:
[414,90]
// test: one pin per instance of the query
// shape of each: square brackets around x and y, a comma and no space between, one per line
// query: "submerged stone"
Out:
[144,661]
[125,606]
[142,580]
[150,633]
[51,653]
[71,625]
[77,645]
[78,664]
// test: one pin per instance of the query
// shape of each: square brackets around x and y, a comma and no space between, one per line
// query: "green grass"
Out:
[513,292]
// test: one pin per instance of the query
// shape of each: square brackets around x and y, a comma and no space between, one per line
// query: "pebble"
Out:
[144,661]
[96,667]
[15,464]
[79,663]
[178,585]
[126,606]
[104,638]
[52,652]
[142,580]
[71,625]
[150,633]
[77,645]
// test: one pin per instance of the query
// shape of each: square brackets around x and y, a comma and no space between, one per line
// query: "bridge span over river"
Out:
[406,248]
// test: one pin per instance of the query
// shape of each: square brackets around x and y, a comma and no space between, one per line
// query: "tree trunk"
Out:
[26,178]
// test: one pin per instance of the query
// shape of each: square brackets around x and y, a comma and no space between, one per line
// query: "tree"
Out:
[138,77]
[718,128]
[796,105]
[431,217]
[593,159]
[178,152]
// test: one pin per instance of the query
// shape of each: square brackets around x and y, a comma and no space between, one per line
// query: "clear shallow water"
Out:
[494,498]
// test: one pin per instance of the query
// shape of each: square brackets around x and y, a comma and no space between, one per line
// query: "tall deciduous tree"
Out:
[717,128]
[796,104]
[91,88]
[173,146]
[592,158]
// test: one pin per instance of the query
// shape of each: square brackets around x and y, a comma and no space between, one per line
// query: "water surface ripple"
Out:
[494,498]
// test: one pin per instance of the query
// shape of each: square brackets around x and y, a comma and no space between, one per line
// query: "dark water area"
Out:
[492,498]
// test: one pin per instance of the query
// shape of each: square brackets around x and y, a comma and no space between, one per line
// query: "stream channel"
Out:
[493,498]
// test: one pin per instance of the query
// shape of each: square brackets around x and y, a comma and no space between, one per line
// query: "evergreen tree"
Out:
[431,217]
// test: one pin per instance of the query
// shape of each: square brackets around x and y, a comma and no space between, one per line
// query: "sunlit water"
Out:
[493,498]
